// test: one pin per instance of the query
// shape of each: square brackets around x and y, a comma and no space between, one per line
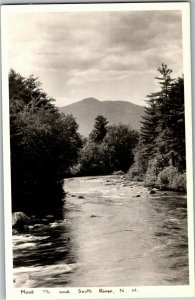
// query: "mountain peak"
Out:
[90,99]
[86,110]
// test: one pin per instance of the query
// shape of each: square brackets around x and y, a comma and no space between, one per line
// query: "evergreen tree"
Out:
[171,141]
[100,128]
[154,128]
[162,135]
[148,133]
[154,119]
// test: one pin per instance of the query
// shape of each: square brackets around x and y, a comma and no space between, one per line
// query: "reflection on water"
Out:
[108,237]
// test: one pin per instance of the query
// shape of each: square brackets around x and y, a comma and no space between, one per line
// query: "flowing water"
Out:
[113,234]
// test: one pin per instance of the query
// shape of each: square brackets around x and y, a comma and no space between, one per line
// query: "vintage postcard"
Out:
[97,147]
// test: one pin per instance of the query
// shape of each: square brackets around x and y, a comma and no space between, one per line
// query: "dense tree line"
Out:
[109,148]
[160,154]
[44,145]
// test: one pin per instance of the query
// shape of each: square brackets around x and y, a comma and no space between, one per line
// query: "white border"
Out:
[188,126]
[165,291]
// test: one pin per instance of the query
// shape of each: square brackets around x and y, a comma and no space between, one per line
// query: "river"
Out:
[113,233]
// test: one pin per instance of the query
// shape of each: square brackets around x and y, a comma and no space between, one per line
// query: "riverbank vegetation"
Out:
[160,158]
[46,146]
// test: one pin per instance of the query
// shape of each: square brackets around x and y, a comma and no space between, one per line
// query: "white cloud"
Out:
[73,50]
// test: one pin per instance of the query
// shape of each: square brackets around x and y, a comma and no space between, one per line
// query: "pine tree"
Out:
[176,124]
[148,131]
[170,140]
[155,117]
[100,129]
[162,135]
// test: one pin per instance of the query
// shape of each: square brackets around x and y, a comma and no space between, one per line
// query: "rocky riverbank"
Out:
[21,223]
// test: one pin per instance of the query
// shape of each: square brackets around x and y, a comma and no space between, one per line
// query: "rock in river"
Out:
[20,220]
[152,192]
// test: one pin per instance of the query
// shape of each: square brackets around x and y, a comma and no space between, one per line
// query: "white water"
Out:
[109,237]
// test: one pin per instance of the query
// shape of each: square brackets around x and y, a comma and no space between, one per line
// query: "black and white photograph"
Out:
[97,150]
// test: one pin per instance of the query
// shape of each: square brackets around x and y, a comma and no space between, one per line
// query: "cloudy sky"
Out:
[105,55]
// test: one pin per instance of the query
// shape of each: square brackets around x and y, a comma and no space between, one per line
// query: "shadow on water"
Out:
[46,256]
[44,252]
[39,200]
[48,244]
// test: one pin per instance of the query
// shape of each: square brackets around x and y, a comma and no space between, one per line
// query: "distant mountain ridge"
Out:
[86,110]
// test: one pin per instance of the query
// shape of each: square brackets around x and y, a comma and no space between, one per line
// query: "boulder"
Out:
[30,226]
[14,231]
[20,220]
[152,192]
[54,224]
[81,197]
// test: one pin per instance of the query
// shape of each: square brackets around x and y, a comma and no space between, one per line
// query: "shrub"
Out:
[155,166]
[179,182]
[136,172]
[171,179]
